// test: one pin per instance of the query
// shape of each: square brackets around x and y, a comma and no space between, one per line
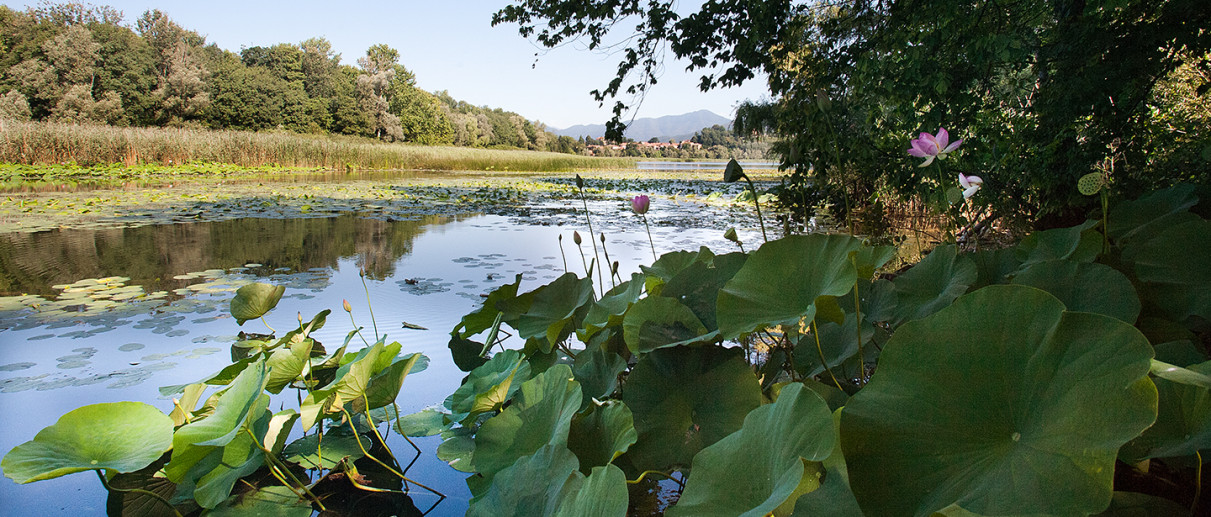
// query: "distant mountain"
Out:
[675,127]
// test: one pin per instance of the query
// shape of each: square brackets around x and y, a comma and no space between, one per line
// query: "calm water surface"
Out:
[168,324]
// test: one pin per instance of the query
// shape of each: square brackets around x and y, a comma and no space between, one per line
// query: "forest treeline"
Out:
[80,63]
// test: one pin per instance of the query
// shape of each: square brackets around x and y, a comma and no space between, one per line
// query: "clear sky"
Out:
[449,45]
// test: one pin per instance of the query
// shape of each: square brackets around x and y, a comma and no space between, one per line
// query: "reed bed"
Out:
[39,143]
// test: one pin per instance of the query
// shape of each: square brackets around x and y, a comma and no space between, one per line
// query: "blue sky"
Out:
[449,45]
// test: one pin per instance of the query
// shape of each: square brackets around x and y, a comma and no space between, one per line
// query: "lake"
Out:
[111,304]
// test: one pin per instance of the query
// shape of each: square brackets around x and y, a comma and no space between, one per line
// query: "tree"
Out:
[379,68]
[181,88]
[1044,90]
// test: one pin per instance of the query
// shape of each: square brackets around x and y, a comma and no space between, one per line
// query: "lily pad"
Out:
[773,449]
[684,399]
[780,282]
[254,300]
[117,437]
[1023,413]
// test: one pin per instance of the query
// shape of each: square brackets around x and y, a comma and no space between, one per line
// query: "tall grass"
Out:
[35,143]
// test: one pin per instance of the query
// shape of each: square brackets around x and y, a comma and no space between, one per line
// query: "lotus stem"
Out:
[357,438]
[589,220]
[1198,482]
[858,329]
[757,202]
[271,331]
[273,462]
[111,488]
[561,254]
[816,333]
[583,262]
[607,257]
[644,474]
[649,230]
[362,272]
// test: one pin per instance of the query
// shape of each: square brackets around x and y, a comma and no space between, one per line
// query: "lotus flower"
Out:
[933,146]
[970,184]
[640,203]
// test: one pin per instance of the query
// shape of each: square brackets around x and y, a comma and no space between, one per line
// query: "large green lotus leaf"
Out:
[502,299]
[269,501]
[1084,287]
[869,259]
[307,451]
[656,322]
[348,386]
[932,284]
[834,498]
[530,486]
[215,475]
[426,422]
[1003,403]
[602,494]
[779,283]
[1079,243]
[1183,420]
[609,309]
[597,370]
[254,300]
[1133,504]
[117,437]
[384,387]
[1172,268]
[697,286]
[489,386]
[221,378]
[467,354]
[457,448]
[541,413]
[1151,214]
[196,439]
[839,343]
[770,450]
[148,480]
[684,399]
[288,364]
[994,266]
[553,308]
[602,434]
[669,265]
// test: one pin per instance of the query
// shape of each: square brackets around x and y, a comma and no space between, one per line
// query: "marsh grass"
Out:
[41,143]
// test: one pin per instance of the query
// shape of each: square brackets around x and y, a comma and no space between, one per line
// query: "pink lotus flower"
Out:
[933,146]
[970,184]
[639,204]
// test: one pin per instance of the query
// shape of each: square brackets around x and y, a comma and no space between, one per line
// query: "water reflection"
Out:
[30,263]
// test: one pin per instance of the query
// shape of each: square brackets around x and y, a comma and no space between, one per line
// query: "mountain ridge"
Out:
[675,127]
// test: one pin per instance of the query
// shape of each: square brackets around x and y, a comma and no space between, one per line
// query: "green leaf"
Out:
[834,498]
[1084,287]
[994,266]
[541,414]
[771,449]
[670,265]
[191,443]
[656,322]
[254,300]
[216,474]
[1132,504]
[116,436]
[529,486]
[288,364]
[426,422]
[552,310]
[384,387]
[489,386]
[270,501]
[348,386]
[140,504]
[602,494]
[335,446]
[697,286]
[602,434]
[932,284]
[609,309]
[779,283]
[1002,403]
[1143,218]
[869,259]
[597,371]
[1172,270]
[1079,243]
[503,298]
[684,399]
[1183,421]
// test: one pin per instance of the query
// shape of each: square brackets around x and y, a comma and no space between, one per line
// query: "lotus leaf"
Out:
[530,486]
[602,494]
[457,448]
[1079,243]
[503,298]
[597,371]
[1172,270]
[541,414]
[839,343]
[1084,287]
[1183,420]
[426,422]
[834,497]
[669,265]
[1132,504]
[602,434]
[116,437]
[135,503]
[1143,218]
[197,439]
[780,281]
[1022,413]
[697,286]
[467,354]
[215,475]
[349,385]
[657,321]
[609,309]
[335,447]
[932,284]
[384,387]
[772,449]
[869,259]
[288,364]
[553,309]
[994,266]
[270,501]
[254,300]
[489,386]
[684,399]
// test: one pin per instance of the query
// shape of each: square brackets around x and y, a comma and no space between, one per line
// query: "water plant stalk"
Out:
[562,254]
[362,273]
[607,257]
[589,220]
[357,438]
[1198,482]
[649,230]
[820,350]
[757,202]
[275,463]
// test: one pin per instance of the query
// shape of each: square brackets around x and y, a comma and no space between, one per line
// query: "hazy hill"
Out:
[677,127]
